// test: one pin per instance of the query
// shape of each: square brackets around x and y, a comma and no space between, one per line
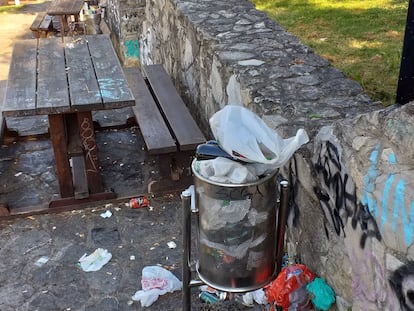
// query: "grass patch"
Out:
[363,38]
[10,8]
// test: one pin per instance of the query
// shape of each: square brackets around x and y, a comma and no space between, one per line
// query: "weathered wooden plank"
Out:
[80,181]
[20,97]
[90,149]
[37,21]
[41,25]
[52,87]
[65,7]
[154,130]
[74,143]
[59,143]
[185,129]
[46,23]
[111,79]
[83,86]
[2,119]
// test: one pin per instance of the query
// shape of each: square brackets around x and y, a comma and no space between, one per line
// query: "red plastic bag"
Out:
[289,287]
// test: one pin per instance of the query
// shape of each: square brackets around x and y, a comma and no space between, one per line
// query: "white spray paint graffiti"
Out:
[145,48]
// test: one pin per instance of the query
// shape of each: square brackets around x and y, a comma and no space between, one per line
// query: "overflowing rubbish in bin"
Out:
[246,137]
[236,193]
[236,232]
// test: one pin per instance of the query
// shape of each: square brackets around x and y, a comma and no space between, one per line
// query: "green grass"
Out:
[363,38]
[10,8]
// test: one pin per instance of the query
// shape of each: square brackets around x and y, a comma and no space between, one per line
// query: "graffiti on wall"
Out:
[402,283]
[383,202]
[294,213]
[146,47]
[337,192]
[393,199]
[337,196]
[369,280]
[132,48]
[131,22]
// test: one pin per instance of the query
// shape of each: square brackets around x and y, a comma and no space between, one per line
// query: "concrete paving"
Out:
[40,252]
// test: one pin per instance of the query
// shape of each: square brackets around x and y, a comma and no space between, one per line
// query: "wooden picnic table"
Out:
[67,81]
[64,9]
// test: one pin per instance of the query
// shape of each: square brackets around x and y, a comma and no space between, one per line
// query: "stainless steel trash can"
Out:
[236,233]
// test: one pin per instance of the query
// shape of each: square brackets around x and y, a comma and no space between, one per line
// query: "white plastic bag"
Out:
[156,281]
[227,171]
[245,136]
[257,296]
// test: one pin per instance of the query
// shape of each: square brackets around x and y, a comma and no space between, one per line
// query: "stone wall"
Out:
[124,19]
[352,213]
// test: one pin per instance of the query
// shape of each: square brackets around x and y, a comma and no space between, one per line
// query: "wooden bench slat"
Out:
[84,89]
[52,89]
[46,23]
[2,120]
[111,78]
[156,134]
[65,7]
[185,129]
[21,85]
[37,21]
[41,25]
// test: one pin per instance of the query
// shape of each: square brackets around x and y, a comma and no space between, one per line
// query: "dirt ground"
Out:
[16,26]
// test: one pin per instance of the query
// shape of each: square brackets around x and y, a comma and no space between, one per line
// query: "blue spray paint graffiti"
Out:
[112,89]
[393,188]
[369,184]
[132,48]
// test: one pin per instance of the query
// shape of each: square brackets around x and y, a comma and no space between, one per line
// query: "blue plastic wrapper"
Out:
[322,295]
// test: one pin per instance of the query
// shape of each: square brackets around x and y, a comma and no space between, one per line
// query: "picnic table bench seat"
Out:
[6,134]
[83,76]
[167,126]
[42,25]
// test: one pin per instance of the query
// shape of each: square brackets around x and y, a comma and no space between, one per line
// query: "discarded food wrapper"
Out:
[156,281]
[322,295]
[288,290]
[95,261]
[138,202]
[172,244]
[41,261]
[257,296]
[107,214]
[246,137]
